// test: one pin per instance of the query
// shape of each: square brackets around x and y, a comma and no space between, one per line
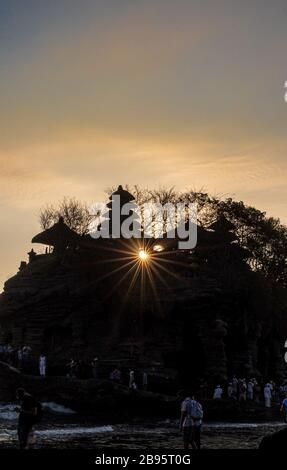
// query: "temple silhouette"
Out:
[190,315]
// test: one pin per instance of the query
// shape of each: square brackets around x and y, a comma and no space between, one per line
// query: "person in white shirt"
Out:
[132,378]
[42,365]
[218,392]
[267,395]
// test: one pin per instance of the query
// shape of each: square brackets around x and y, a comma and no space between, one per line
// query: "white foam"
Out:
[8,413]
[269,424]
[58,432]
[59,409]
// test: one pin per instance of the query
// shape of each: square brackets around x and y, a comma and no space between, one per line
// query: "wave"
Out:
[61,432]
[58,432]
[56,408]
[268,424]
[8,413]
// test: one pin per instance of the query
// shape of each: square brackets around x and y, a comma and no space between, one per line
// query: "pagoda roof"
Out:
[57,235]
[222,225]
[125,196]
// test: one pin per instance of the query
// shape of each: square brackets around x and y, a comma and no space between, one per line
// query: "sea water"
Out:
[63,428]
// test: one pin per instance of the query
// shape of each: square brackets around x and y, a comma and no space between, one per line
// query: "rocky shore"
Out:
[105,400]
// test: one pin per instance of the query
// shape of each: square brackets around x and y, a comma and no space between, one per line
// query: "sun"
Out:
[143,255]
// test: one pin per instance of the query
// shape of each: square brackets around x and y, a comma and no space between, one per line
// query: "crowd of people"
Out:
[134,379]
[22,358]
[27,362]
[17,357]
[251,390]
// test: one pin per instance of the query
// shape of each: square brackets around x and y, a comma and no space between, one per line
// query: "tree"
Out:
[76,215]
[264,237]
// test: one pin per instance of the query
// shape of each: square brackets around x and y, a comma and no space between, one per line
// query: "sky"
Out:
[95,93]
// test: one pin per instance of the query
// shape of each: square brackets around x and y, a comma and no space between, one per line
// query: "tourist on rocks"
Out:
[191,421]
[42,365]
[218,392]
[284,409]
[235,387]
[250,390]
[230,390]
[274,390]
[242,390]
[267,395]
[20,358]
[95,368]
[116,375]
[134,387]
[11,355]
[27,418]
[282,391]
[131,378]
[26,357]
[256,391]
[72,366]
[145,380]
[2,352]
[27,350]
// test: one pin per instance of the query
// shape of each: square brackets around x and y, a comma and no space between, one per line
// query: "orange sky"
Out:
[98,93]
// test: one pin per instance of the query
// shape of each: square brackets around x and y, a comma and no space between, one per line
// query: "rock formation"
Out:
[200,315]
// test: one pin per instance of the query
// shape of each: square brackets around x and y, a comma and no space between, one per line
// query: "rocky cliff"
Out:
[201,316]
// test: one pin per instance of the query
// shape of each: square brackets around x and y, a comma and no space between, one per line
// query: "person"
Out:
[4,353]
[72,367]
[27,417]
[145,380]
[11,354]
[27,350]
[116,375]
[191,422]
[281,393]
[284,409]
[235,387]
[26,358]
[242,390]
[256,391]
[230,390]
[218,392]
[203,390]
[95,368]
[42,365]
[19,358]
[131,378]
[267,395]
[250,390]
[134,387]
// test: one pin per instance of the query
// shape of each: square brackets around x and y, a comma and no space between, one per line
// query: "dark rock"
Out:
[210,318]
[275,442]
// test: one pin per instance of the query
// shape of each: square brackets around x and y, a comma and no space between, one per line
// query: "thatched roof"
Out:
[59,236]
[125,196]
